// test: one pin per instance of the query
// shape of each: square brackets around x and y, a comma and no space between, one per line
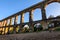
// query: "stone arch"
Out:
[37,14]
[47,2]
[52,10]
[18,21]
[26,17]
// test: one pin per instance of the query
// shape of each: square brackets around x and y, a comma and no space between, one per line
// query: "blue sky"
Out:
[9,7]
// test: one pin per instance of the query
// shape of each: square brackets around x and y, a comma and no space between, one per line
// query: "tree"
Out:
[38,27]
[51,16]
[58,16]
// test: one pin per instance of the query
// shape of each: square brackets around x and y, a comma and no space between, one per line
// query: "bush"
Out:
[57,29]
[39,28]
[17,29]
[11,31]
[25,29]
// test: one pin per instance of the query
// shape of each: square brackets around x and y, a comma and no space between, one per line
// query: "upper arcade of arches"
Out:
[41,5]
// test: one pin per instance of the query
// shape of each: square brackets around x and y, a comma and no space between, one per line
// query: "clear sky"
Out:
[9,7]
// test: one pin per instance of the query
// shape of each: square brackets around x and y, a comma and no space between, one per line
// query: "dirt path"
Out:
[44,35]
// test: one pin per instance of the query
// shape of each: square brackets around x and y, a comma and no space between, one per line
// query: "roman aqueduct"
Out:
[6,23]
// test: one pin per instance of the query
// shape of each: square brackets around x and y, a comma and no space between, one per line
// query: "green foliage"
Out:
[38,29]
[57,29]
[11,31]
[17,29]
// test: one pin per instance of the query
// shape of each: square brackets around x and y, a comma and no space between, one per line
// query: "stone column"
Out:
[22,18]
[21,21]
[31,20]
[6,22]
[5,26]
[2,26]
[15,20]
[44,23]
[43,11]
[10,23]
[15,23]
[1,23]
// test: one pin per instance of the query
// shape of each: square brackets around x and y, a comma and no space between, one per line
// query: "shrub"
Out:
[17,29]
[57,29]
[38,27]
[25,28]
[11,31]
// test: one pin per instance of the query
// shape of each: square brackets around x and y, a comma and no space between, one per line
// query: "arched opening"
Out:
[53,10]
[37,15]
[8,22]
[12,21]
[26,17]
[18,21]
